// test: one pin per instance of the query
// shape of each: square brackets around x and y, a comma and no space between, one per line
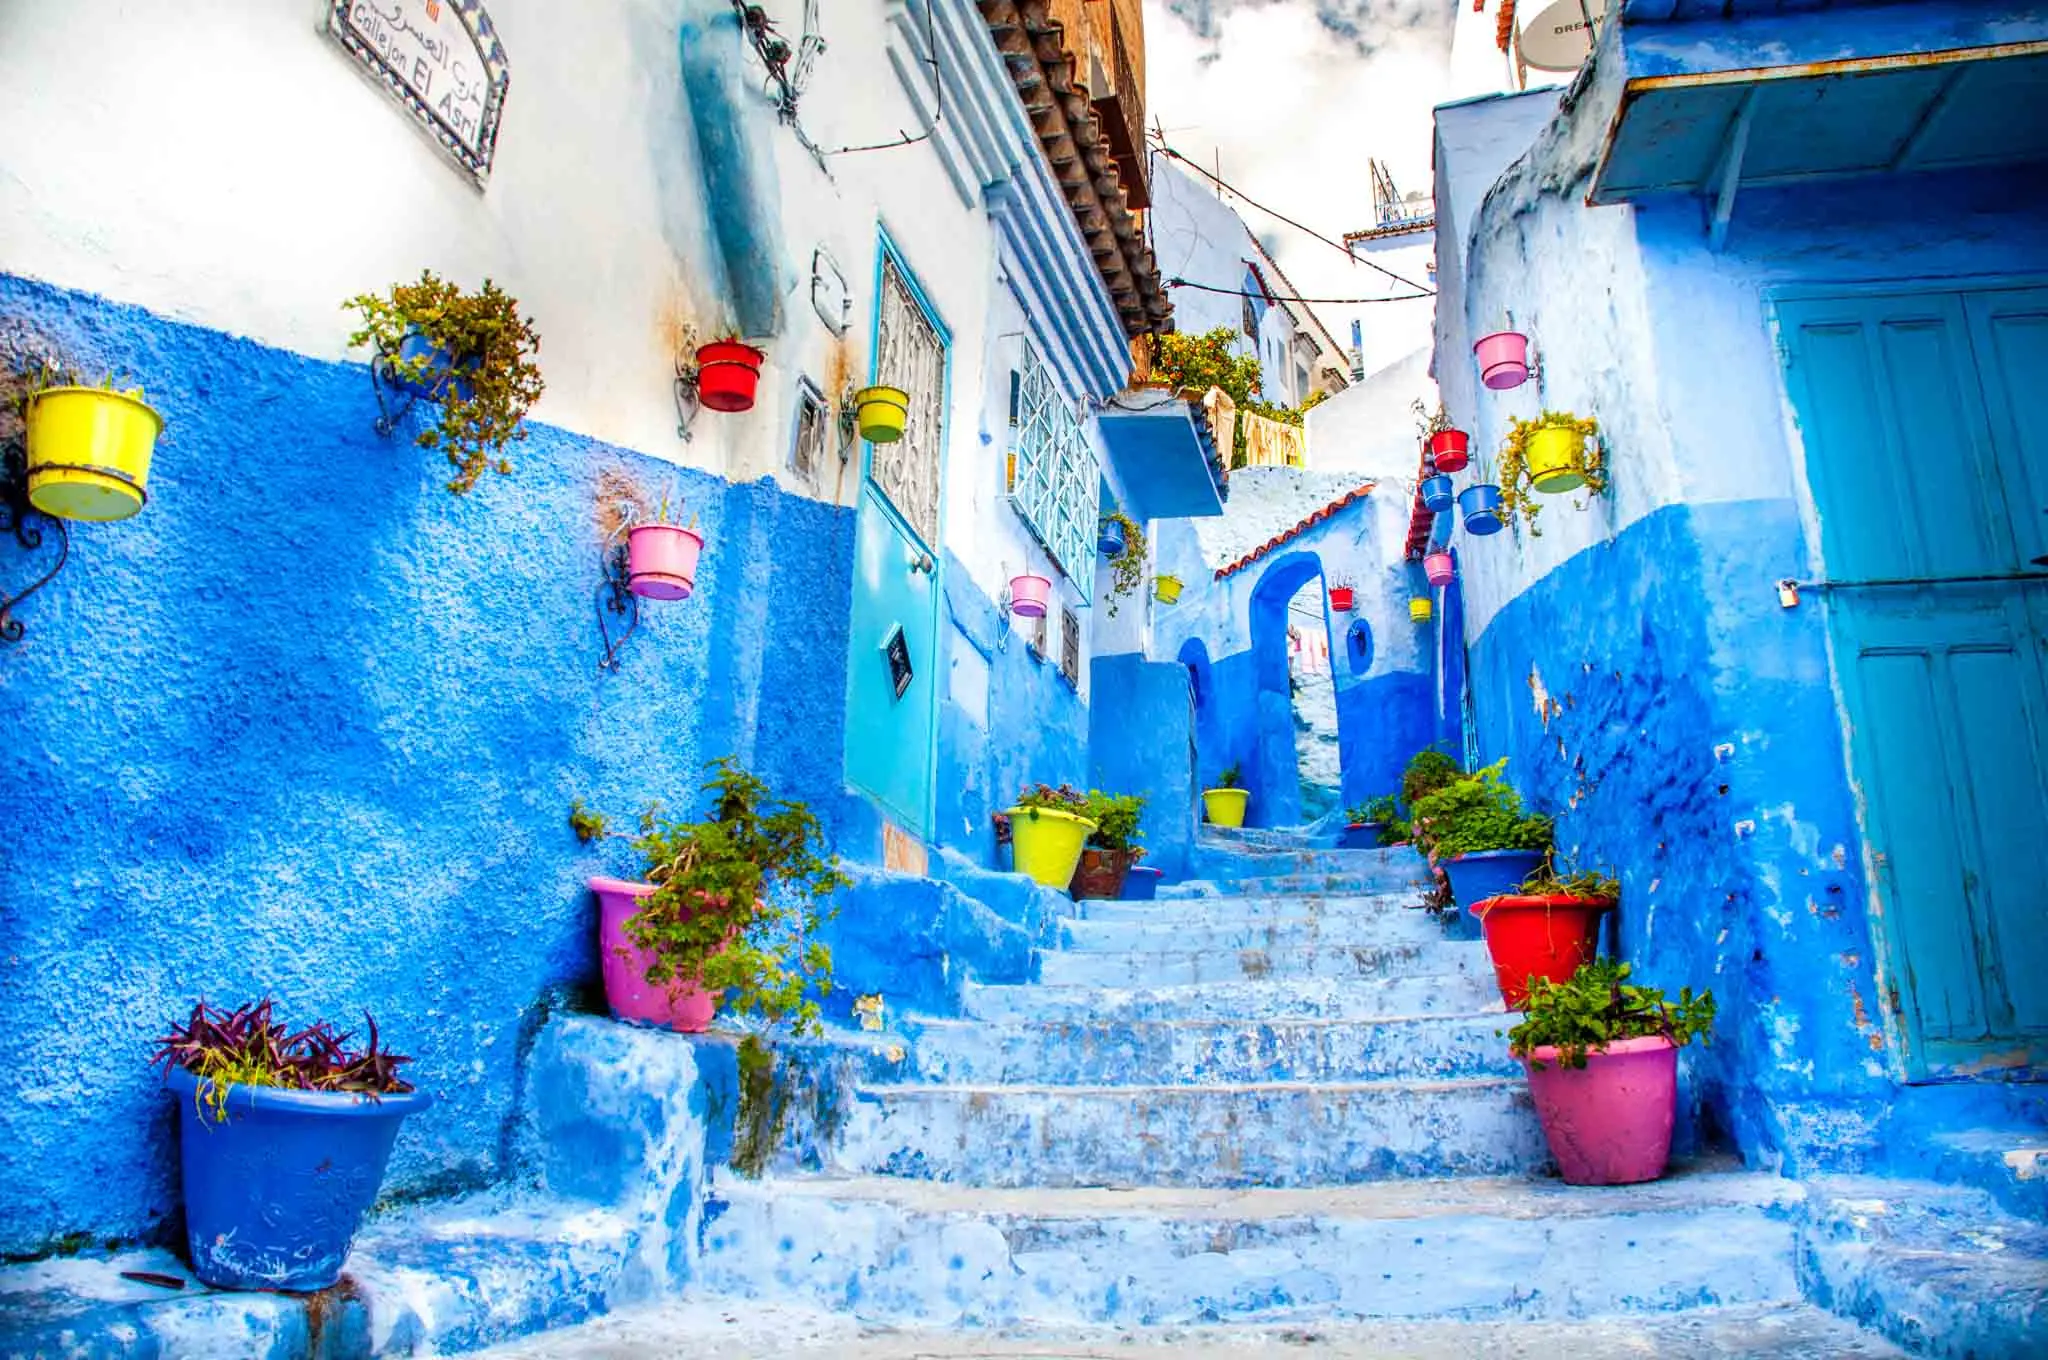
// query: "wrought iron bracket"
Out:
[390,410]
[615,596]
[27,524]
[687,403]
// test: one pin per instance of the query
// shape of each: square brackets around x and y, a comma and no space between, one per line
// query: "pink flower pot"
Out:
[679,1006]
[1028,595]
[1503,359]
[1439,568]
[1609,1124]
[661,560]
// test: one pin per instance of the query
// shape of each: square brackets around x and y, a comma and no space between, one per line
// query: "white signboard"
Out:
[441,59]
[1560,36]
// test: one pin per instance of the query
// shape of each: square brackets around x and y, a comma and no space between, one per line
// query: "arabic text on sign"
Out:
[425,44]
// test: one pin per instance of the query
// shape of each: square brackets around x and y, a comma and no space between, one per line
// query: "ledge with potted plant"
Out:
[1224,805]
[1547,928]
[283,1138]
[1112,848]
[1552,454]
[1602,1057]
[1366,825]
[469,352]
[1048,829]
[1475,828]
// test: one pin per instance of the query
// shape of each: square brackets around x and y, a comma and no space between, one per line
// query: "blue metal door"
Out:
[1932,493]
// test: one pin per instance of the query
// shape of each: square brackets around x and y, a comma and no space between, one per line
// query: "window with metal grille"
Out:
[910,353]
[807,449]
[1056,481]
[1070,647]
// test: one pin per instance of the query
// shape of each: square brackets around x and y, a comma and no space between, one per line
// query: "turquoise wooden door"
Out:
[1932,493]
[892,665]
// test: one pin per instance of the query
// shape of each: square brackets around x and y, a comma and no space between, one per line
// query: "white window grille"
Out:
[911,354]
[1057,482]
[1070,647]
[807,448]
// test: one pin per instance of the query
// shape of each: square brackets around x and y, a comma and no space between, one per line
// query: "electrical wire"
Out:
[938,92]
[1159,145]
[1282,297]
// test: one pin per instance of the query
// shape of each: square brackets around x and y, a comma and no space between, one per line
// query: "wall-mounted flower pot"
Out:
[1166,589]
[1552,452]
[1141,884]
[89,452]
[1028,595]
[276,1185]
[1608,1123]
[1225,807]
[1450,450]
[881,413]
[1546,937]
[1341,599]
[1480,505]
[1420,610]
[1110,540]
[1440,568]
[1437,495]
[1047,843]
[681,1006]
[661,560]
[728,375]
[443,374]
[1503,359]
[1360,835]
[1099,877]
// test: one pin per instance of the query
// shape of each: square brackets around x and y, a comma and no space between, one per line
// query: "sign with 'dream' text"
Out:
[441,59]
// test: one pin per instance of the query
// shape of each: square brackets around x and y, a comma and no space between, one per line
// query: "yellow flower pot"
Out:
[88,452]
[1048,843]
[1166,589]
[1551,452]
[1419,610]
[881,413]
[1225,806]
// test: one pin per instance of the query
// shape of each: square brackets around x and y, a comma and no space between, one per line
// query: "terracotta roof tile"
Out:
[1349,497]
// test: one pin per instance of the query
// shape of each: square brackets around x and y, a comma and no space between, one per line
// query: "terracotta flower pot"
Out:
[1100,875]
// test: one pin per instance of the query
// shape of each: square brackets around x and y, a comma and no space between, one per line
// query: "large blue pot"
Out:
[1436,493]
[1109,538]
[1142,884]
[1489,873]
[1360,836]
[275,1193]
[1480,505]
[440,379]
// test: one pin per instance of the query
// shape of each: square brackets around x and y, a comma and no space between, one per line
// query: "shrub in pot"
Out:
[283,1138]
[1048,829]
[1225,804]
[1365,825]
[1476,829]
[1112,847]
[1602,1056]
[1549,927]
[1554,453]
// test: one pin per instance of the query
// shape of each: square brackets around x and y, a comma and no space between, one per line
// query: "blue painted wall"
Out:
[1141,739]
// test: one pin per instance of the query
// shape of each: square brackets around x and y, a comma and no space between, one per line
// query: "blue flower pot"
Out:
[1142,884]
[1436,493]
[1480,505]
[1361,836]
[1489,873]
[440,379]
[1109,538]
[274,1193]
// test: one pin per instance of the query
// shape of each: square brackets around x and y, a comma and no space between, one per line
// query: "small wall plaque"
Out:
[441,59]
[896,648]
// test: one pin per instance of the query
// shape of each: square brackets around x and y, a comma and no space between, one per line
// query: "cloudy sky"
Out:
[1295,96]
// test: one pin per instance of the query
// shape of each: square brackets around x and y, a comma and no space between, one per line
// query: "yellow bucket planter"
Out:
[1225,806]
[89,451]
[1419,610]
[1553,455]
[1047,843]
[1166,589]
[881,413]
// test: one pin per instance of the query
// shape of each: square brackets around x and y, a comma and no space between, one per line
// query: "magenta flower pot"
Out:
[1439,568]
[1503,359]
[1609,1124]
[679,1006]
[661,560]
[1028,595]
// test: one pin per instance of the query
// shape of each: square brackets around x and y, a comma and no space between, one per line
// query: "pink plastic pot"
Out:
[1609,1124]
[680,1006]
[1028,595]
[661,561]
[1439,568]
[1503,359]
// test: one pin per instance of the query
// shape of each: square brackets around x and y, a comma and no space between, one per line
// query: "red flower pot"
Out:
[728,373]
[1450,450]
[1548,937]
[1340,599]
[1100,875]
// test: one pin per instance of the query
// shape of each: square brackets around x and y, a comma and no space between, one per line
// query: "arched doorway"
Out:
[1296,773]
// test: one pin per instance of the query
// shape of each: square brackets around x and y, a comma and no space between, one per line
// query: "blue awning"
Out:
[1163,457]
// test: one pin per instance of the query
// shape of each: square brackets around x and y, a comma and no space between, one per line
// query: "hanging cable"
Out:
[1283,297]
[1159,145]
[938,95]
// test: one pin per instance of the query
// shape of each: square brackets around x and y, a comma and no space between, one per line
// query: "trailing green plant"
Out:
[1597,1006]
[1232,776]
[480,369]
[1127,568]
[1476,813]
[249,1046]
[1427,771]
[1589,459]
[1550,880]
[1116,817]
[1065,798]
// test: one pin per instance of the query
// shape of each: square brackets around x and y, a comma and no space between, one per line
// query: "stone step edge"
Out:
[1386,1086]
[917,1027]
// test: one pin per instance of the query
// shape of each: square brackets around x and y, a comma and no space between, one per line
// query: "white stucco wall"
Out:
[1369,430]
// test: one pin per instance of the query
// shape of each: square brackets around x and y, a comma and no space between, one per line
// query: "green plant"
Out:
[479,368]
[1589,460]
[1596,1006]
[1116,817]
[1231,777]
[1427,771]
[1127,568]
[1065,798]
[1550,881]
[250,1047]
[1211,360]
[1478,812]
[1379,808]
[1430,423]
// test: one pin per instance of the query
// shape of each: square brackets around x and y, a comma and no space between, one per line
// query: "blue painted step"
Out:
[1249,923]
[1168,968]
[1272,999]
[1380,879]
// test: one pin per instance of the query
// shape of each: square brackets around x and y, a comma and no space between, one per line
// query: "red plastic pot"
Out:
[1547,937]
[728,375]
[1450,450]
[1340,599]
[1610,1122]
